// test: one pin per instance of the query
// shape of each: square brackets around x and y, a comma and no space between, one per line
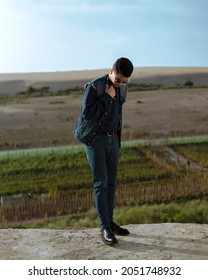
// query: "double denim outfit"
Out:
[99,128]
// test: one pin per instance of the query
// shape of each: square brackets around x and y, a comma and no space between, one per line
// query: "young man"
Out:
[99,128]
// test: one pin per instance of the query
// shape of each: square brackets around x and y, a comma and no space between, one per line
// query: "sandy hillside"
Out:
[13,83]
[49,121]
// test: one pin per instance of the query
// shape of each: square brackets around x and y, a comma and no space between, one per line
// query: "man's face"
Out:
[117,79]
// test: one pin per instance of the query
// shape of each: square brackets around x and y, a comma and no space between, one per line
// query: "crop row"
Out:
[60,183]
[69,171]
[135,194]
[194,152]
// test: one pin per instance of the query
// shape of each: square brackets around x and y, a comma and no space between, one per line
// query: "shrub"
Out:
[188,83]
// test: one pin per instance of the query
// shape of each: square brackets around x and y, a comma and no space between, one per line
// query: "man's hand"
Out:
[111,91]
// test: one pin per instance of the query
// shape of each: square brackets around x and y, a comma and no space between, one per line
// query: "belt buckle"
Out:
[111,133]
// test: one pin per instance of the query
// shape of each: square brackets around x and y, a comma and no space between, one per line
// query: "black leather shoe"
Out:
[108,237]
[118,230]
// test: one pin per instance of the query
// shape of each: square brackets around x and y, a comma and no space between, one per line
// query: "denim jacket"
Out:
[87,129]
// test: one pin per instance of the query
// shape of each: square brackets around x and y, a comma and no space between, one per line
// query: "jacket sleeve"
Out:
[94,106]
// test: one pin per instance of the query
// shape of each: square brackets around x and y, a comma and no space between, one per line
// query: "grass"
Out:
[68,170]
[144,175]
[58,170]
[194,152]
[191,211]
[77,91]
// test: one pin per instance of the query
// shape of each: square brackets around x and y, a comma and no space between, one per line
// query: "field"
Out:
[40,109]
[48,121]
[58,181]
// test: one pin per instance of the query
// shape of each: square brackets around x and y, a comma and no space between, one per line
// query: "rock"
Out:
[146,242]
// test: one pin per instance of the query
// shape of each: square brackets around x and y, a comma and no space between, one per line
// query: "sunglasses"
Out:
[118,80]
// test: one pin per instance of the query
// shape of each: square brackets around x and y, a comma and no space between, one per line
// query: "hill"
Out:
[168,76]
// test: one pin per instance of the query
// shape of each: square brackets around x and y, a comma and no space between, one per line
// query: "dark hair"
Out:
[123,66]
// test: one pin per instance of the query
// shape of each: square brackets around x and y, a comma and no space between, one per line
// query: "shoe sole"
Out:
[125,234]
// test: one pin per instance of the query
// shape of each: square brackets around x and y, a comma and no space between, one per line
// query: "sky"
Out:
[66,35]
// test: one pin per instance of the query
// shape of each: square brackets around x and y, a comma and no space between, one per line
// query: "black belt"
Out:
[108,133]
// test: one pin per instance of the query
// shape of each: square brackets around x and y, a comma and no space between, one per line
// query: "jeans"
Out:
[103,158]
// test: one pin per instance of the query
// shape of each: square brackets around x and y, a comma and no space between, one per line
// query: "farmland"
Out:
[57,183]
[31,121]
[165,162]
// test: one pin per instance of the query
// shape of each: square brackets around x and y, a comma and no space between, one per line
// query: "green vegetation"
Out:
[59,183]
[56,184]
[37,92]
[194,152]
[44,173]
[188,84]
[144,86]
[77,91]
[70,171]
[191,211]
[45,91]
